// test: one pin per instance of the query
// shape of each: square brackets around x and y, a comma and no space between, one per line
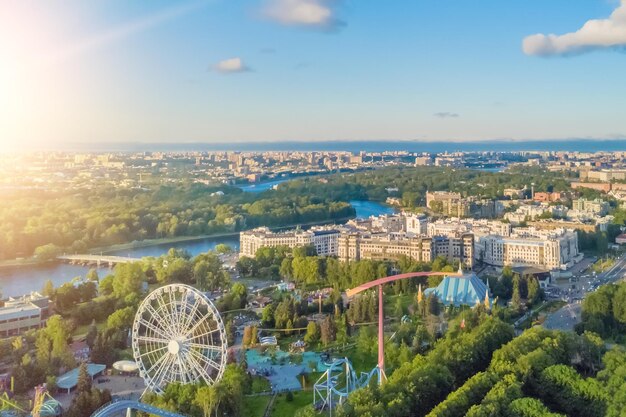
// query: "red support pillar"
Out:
[381,337]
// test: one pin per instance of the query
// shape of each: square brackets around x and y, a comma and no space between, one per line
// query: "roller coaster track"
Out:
[117,407]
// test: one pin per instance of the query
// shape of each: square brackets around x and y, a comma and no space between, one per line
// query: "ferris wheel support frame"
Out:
[178,336]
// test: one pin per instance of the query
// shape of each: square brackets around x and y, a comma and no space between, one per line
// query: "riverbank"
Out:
[104,250]
[138,244]
[18,263]
[22,276]
[160,242]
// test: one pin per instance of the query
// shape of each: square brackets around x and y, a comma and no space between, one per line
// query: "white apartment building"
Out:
[479,227]
[550,249]
[24,313]
[324,240]
[410,223]
[604,175]
[528,212]
[415,223]
[354,246]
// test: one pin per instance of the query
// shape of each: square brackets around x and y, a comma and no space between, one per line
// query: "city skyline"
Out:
[309,70]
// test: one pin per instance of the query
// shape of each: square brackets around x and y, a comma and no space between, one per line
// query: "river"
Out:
[366,209]
[262,186]
[22,280]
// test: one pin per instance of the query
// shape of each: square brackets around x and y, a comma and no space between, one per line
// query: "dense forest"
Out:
[47,223]
[480,370]
[413,183]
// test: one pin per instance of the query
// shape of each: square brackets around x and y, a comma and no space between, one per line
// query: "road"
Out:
[565,318]
[616,272]
[569,315]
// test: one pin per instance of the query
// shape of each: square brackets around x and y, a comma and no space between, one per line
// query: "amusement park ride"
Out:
[42,406]
[334,386]
[178,336]
[381,315]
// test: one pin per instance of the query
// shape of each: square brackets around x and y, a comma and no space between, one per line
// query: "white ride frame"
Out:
[178,336]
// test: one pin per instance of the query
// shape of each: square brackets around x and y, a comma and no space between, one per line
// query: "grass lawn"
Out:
[125,354]
[260,384]
[602,265]
[82,331]
[390,303]
[358,364]
[255,406]
[284,408]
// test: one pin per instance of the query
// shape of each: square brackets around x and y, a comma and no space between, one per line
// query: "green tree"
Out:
[52,344]
[105,286]
[288,327]
[342,331]
[328,331]
[128,279]
[516,300]
[312,333]
[267,316]
[433,305]
[285,270]
[121,319]
[102,351]
[208,272]
[92,334]
[92,275]
[48,289]
[530,407]
[84,379]
[398,310]
[51,384]
[206,399]
[223,248]
[247,336]
[47,252]
[534,291]
[619,304]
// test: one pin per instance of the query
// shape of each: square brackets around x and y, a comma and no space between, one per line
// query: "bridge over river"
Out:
[97,260]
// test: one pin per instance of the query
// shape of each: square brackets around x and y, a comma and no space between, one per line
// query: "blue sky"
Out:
[268,70]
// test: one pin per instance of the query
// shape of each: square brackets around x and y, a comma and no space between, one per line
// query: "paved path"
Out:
[565,318]
[268,409]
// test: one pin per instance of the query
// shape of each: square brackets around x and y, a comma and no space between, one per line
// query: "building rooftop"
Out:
[18,310]
[466,289]
[70,379]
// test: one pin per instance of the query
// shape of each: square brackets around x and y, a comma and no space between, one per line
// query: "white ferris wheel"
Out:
[178,336]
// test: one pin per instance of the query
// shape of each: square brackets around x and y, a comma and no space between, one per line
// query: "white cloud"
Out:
[231,65]
[446,115]
[308,13]
[595,34]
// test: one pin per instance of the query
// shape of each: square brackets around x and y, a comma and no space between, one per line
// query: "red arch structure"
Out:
[381,314]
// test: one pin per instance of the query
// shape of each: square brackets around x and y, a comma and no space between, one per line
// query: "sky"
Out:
[112,71]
